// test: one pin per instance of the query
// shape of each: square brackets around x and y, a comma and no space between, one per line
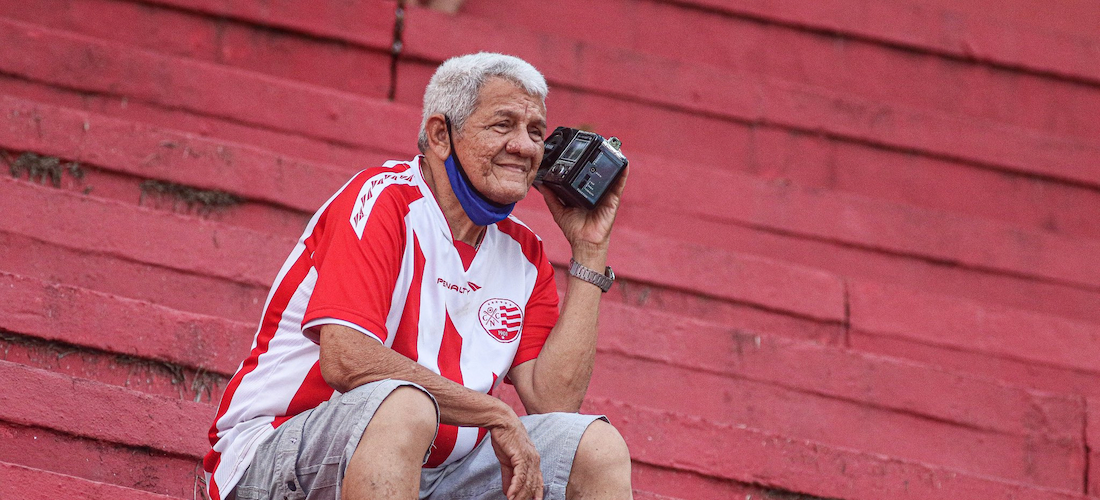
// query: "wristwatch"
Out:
[604,281]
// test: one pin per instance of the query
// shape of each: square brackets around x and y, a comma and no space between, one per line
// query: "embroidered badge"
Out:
[502,319]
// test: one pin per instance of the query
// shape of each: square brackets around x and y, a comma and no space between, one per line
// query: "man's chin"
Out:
[508,200]
[510,194]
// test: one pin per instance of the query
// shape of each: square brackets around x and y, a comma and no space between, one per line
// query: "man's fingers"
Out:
[519,485]
[521,476]
[534,476]
[538,483]
[506,480]
[526,481]
[552,202]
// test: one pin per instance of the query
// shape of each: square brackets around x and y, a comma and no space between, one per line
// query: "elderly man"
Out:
[412,294]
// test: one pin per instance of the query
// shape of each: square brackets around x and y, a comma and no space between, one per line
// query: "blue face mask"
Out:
[479,209]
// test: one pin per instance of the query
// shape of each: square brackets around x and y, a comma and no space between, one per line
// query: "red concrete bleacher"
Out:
[857,255]
[33,484]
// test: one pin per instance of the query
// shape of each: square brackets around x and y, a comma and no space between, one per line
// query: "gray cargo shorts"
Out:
[307,455]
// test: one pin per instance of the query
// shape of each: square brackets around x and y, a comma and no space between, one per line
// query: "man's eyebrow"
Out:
[513,114]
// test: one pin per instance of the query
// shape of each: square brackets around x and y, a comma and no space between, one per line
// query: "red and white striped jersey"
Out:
[379,257]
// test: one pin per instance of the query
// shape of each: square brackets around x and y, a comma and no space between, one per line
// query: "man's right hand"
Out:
[520,469]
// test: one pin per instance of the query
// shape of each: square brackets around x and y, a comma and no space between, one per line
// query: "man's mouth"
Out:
[513,167]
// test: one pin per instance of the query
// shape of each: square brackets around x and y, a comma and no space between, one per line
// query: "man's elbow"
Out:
[335,375]
[559,396]
[342,355]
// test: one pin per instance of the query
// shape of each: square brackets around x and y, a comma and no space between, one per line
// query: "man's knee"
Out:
[406,418]
[601,467]
[602,446]
[386,462]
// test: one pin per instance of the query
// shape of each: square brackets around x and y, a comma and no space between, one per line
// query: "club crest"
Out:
[502,319]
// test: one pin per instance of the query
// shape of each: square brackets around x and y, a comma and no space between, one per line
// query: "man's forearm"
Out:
[563,369]
[350,359]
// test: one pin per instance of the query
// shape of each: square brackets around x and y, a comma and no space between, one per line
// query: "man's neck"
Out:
[462,228]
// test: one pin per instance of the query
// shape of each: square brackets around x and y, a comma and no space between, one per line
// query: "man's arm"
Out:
[558,378]
[350,359]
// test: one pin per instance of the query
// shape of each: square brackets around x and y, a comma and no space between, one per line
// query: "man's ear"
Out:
[438,138]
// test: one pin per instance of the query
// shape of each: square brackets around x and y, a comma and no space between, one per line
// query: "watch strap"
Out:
[603,281]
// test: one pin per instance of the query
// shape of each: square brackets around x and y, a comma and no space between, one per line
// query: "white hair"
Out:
[454,88]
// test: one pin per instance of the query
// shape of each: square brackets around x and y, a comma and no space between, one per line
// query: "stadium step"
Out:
[840,397]
[127,149]
[333,45]
[715,101]
[103,322]
[1014,262]
[108,434]
[82,419]
[979,31]
[418,78]
[822,156]
[742,454]
[26,483]
[846,386]
[54,58]
[192,245]
[181,262]
[1021,347]
[893,234]
[766,148]
[849,356]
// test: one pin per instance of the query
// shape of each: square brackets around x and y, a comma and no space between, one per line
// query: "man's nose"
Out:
[523,145]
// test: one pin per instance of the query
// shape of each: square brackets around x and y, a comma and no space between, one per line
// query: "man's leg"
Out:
[601,467]
[603,471]
[310,456]
[387,461]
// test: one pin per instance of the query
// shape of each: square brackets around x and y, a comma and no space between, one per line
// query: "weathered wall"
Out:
[859,256]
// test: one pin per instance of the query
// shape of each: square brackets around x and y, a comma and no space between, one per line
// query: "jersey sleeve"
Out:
[358,262]
[540,315]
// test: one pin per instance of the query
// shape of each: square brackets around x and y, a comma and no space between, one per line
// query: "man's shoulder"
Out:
[521,233]
[517,230]
[392,172]
[394,184]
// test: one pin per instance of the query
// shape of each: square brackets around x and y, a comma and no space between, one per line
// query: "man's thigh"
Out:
[307,456]
[555,436]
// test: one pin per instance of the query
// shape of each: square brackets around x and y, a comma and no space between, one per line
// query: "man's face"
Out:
[501,144]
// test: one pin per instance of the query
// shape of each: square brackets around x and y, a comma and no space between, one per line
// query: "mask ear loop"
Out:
[480,209]
[462,171]
[450,133]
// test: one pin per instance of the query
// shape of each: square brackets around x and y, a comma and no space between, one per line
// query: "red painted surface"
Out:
[226,129]
[33,484]
[717,91]
[1048,460]
[235,43]
[126,276]
[58,58]
[120,325]
[146,152]
[970,326]
[1092,436]
[748,455]
[872,381]
[88,409]
[970,30]
[857,256]
[93,460]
